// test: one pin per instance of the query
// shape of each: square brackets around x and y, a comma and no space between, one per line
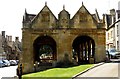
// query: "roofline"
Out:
[113,25]
[40,12]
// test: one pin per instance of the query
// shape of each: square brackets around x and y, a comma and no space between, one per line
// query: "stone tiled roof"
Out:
[109,20]
[64,11]
[28,17]
[31,18]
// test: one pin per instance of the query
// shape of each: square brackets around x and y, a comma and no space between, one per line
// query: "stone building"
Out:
[9,49]
[16,48]
[111,36]
[112,24]
[2,54]
[46,39]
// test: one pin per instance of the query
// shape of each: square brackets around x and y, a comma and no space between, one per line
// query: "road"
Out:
[105,71]
[8,71]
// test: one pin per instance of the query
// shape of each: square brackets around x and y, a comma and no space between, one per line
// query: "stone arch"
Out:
[44,48]
[84,49]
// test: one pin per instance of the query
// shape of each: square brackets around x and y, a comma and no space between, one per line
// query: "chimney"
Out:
[119,5]
[7,37]
[10,38]
[16,38]
[112,12]
[3,33]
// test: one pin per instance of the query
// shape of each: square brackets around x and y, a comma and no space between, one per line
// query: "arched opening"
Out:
[84,49]
[44,49]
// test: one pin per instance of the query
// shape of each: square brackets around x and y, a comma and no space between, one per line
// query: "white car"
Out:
[113,53]
[6,62]
[13,62]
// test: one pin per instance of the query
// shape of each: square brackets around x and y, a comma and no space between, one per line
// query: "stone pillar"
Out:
[64,46]
[100,53]
[27,53]
[85,51]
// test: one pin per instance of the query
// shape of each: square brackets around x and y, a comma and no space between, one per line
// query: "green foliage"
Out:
[45,49]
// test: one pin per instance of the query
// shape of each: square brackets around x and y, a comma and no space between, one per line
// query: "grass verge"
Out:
[56,73]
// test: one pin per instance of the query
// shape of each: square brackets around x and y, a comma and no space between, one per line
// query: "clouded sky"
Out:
[11,11]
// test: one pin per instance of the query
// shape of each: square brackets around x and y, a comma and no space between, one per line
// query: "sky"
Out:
[12,11]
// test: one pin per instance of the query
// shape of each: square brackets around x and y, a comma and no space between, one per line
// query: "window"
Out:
[117,45]
[111,34]
[118,16]
[108,36]
[117,31]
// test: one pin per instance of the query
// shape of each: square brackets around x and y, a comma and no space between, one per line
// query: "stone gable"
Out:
[44,19]
[83,19]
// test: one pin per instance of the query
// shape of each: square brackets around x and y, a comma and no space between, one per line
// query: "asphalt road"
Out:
[106,71]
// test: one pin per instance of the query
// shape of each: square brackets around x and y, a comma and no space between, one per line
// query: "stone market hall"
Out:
[47,40]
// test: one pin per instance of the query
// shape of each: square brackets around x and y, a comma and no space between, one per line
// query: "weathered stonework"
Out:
[63,31]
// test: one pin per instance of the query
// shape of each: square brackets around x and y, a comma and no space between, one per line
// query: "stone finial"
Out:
[25,14]
[45,3]
[82,2]
[63,7]
[25,11]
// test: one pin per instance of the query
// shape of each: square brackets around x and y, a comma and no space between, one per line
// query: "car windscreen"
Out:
[6,61]
[1,62]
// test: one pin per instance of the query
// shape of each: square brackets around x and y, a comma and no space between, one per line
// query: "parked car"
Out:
[113,53]
[17,61]
[118,54]
[1,64]
[107,54]
[13,62]
[6,62]
[107,59]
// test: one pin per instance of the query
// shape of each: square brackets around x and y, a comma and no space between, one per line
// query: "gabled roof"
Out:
[113,25]
[45,7]
[64,11]
[28,17]
[83,9]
